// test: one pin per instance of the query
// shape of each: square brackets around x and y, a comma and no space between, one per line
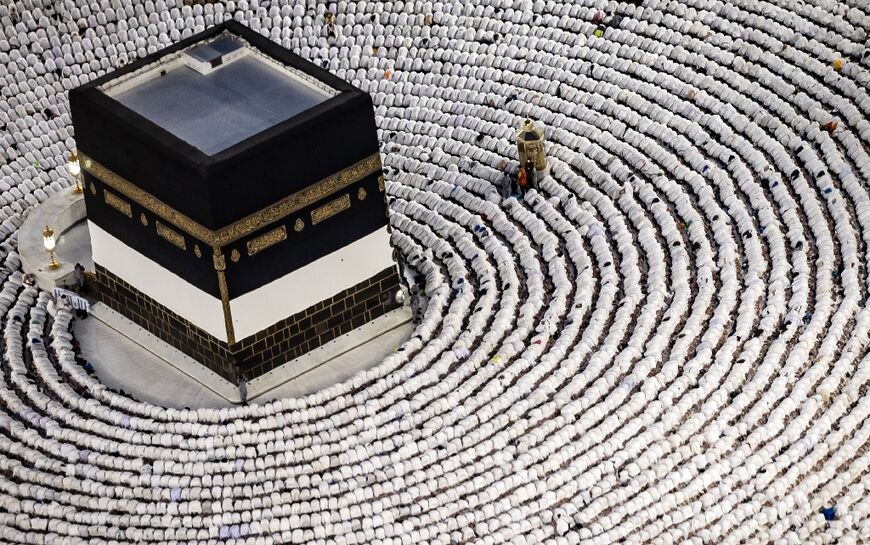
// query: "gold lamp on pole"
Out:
[75,170]
[49,243]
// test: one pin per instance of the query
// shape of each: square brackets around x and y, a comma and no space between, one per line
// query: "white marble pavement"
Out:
[61,212]
[151,370]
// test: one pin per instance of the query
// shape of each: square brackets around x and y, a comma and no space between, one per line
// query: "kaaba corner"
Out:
[235,200]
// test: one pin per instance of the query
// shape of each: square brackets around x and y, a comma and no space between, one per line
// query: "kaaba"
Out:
[235,200]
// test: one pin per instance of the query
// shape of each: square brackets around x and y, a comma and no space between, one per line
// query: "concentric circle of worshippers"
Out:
[665,342]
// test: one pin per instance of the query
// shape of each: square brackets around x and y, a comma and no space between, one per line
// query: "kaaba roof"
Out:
[214,100]
[216,94]
[225,114]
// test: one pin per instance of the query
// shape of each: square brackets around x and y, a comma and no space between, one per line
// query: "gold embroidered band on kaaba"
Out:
[245,226]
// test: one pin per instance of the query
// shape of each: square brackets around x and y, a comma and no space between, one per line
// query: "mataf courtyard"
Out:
[661,338]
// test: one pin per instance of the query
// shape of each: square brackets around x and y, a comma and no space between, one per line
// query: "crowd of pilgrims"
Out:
[663,338]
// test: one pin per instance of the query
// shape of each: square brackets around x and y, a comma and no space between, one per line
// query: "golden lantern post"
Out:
[75,170]
[49,243]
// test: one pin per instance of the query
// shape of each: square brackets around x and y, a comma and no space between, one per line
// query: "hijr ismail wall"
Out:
[250,256]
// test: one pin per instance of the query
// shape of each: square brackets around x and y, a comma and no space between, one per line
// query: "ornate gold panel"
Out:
[266,240]
[171,235]
[330,209]
[118,203]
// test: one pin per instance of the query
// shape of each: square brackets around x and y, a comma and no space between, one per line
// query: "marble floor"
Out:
[121,362]
[342,367]
[74,246]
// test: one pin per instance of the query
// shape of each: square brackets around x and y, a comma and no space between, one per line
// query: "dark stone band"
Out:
[271,347]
